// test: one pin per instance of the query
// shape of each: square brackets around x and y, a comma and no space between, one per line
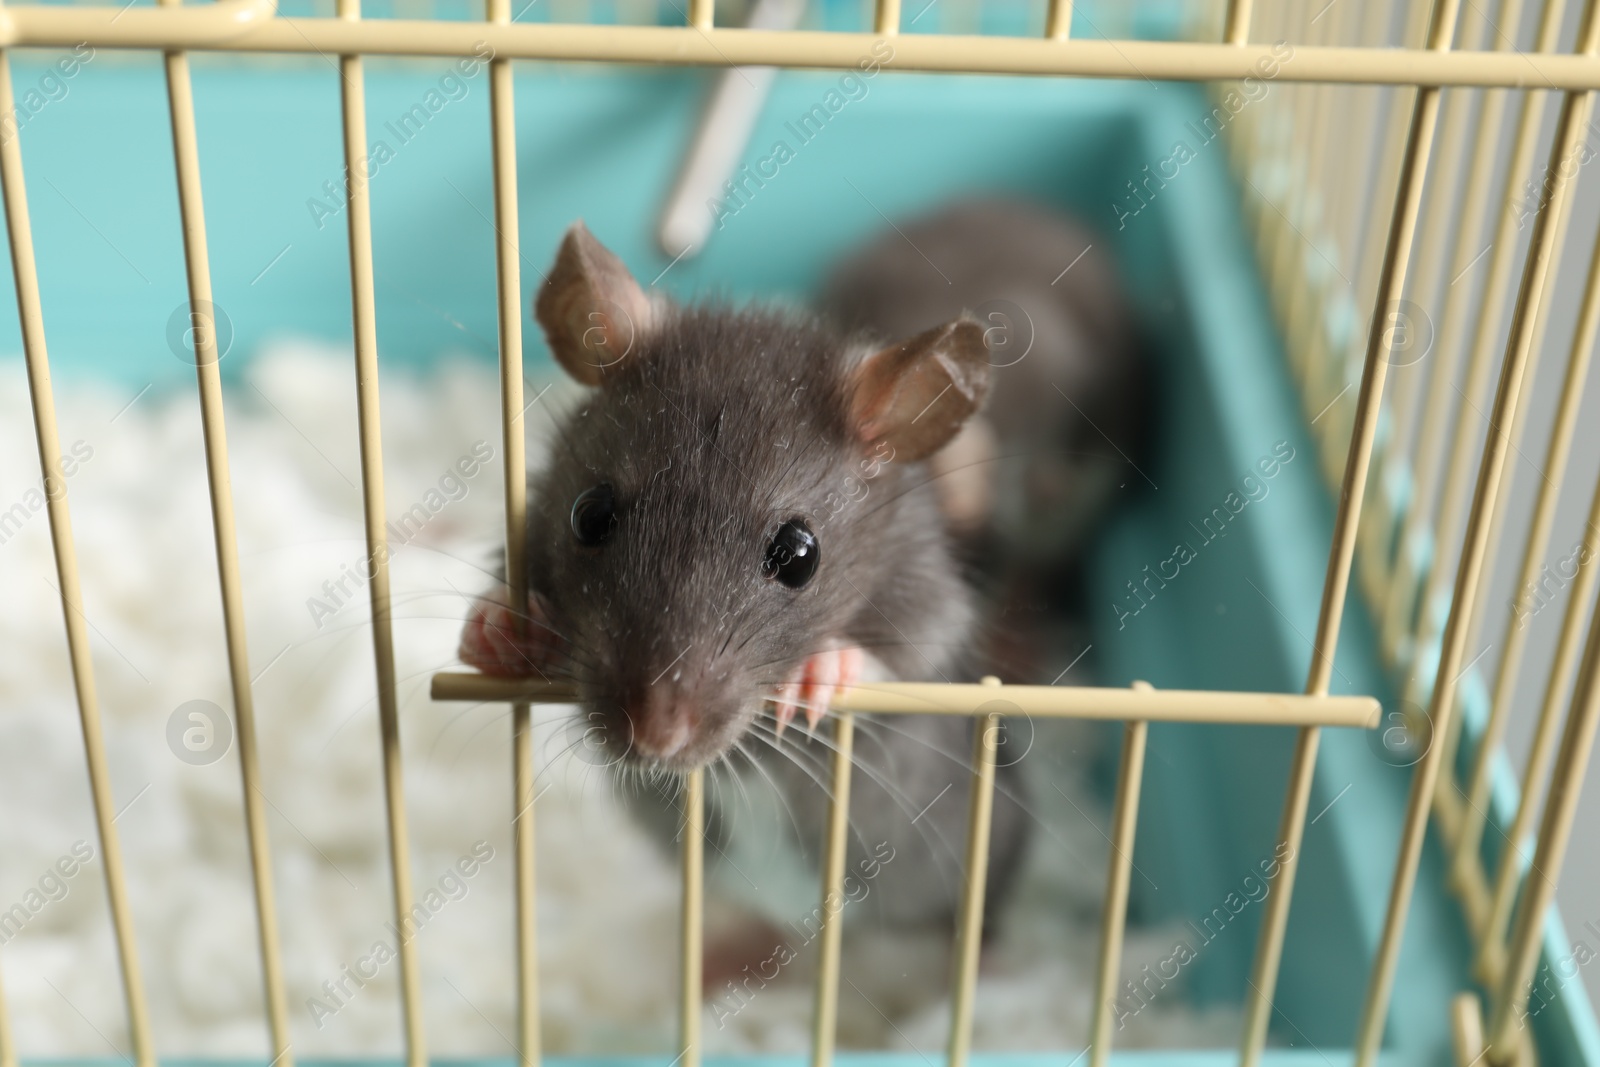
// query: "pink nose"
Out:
[663,721]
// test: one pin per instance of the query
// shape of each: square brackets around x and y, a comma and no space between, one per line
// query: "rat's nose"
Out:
[662,720]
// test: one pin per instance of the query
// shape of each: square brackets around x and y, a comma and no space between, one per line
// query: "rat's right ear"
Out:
[592,310]
[916,395]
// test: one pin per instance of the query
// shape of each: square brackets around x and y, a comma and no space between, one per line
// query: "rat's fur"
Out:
[721,425]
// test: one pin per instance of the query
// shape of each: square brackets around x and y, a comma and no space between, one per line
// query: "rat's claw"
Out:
[491,644]
[817,682]
[784,710]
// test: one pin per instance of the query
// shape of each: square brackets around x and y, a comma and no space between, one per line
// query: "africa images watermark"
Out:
[50,88]
[52,887]
[454,485]
[855,890]
[450,88]
[451,886]
[1136,996]
[1252,489]
[1535,596]
[741,189]
[1252,90]
[33,500]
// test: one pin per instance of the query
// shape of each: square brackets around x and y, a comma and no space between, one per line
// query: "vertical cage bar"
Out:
[1124,821]
[1542,251]
[694,832]
[1374,236]
[969,935]
[364,316]
[202,312]
[1490,946]
[1450,341]
[1391,285]
[825,1019]
[1466,1029]
[886,18]
[1447,795]
[1058,20]
[1561,805]
[1236,30]
[1402,606]
[31,316]
[702,13]
[508,274]
[1470,835]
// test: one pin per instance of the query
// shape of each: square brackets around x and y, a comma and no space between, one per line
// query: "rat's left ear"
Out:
[593,312]
[915,395]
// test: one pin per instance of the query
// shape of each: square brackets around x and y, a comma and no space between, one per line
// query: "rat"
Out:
[745,512]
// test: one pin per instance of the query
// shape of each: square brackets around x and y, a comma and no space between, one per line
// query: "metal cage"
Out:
[1505,906]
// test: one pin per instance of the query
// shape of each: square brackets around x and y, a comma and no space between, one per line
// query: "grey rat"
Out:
[739,510]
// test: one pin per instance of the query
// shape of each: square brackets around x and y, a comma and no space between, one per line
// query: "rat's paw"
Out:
[814,683]
[490,642]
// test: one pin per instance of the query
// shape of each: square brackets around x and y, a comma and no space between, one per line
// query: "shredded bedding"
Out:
[607,893]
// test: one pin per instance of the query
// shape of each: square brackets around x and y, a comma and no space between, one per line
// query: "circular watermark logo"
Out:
[199,333]
[596,739]
[1012,737]
[1407,333]
[1403,736]
[1007,331]
[199,732]
[609,336]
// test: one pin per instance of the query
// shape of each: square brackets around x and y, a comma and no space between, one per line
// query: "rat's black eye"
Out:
[792,554]
[594,516]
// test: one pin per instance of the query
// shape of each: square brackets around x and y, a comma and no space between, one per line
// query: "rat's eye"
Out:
[594,516]
[792,554]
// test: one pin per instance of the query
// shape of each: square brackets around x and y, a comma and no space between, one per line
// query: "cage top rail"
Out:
[939,698]
[248,26]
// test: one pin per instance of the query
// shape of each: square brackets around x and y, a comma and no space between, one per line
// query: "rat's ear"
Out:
[592,310]
[915,395]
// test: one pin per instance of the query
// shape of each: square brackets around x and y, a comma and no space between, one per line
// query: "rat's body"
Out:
[743,505]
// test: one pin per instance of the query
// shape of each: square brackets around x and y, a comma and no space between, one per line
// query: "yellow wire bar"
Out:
[1561,805]
[1469,835]
[824,1020]
[508,274]
[691,920]
[701,14]
[48,437]
[886,18]
[353,100]
[1450,342]
[969,931]
[1404,609]
[1124,821]
[1489,963]
[1441,227]
[1058,20]
[1236,30]
[1542,252]
[203,325]
[1391,287]
[1466,1029]
[163,28]
[1448,804]
[1046,701]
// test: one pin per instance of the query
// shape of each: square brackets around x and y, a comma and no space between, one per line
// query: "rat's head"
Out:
[717,506]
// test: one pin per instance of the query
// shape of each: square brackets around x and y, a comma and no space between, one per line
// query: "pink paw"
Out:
[814,683]
[492,644]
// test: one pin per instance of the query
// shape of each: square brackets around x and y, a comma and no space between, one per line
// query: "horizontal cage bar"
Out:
[1067,702]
